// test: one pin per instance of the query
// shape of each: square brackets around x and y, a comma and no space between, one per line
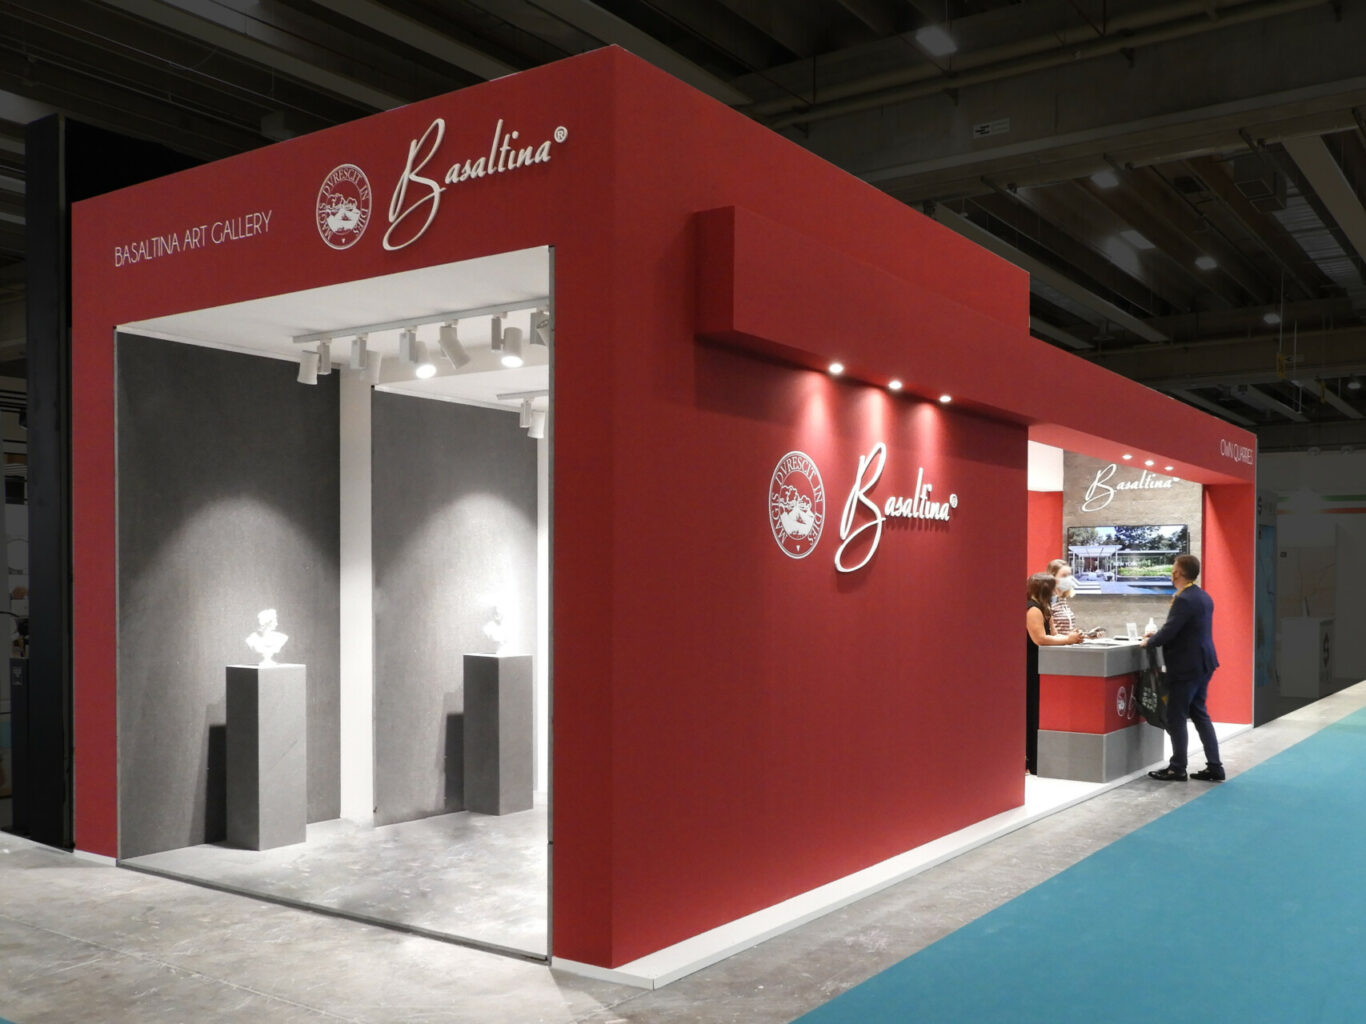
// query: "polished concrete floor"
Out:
[478,877]
[86,942]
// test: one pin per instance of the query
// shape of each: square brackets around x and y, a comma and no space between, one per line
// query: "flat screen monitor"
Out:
[1125,560]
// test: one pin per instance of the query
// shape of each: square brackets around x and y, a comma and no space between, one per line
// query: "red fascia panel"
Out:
[1045,541]
[1089,704]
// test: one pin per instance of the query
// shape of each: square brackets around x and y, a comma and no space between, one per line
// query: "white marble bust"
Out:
[267,639]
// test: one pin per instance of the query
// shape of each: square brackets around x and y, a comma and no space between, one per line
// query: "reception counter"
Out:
[1089,727]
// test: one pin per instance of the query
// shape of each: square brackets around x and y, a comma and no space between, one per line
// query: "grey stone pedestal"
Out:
[267,756]
[499,762]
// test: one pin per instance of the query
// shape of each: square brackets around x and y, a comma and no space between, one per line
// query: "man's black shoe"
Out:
[1209,775]
[1167,775]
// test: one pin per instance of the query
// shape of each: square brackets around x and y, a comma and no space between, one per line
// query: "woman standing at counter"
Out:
[1039,633]
[1064,618]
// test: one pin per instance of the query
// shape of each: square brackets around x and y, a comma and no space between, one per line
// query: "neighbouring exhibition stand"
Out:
[581,367]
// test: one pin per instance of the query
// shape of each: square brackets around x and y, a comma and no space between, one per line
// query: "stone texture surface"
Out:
[454,533]
[227,501]
[267,755]
[84,942]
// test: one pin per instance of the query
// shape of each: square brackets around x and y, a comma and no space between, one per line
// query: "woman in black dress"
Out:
[1038,633]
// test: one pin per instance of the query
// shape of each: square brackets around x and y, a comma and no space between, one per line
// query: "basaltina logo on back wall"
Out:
[343,208]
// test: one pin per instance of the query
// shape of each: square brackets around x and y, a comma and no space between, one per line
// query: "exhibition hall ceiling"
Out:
[268,326]
[1184,181]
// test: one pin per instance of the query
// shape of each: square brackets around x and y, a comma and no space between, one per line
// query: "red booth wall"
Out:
[731,726]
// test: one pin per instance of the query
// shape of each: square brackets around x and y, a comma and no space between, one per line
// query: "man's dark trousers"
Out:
[1187,700]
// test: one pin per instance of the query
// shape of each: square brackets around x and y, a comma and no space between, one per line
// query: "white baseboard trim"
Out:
[1042,798]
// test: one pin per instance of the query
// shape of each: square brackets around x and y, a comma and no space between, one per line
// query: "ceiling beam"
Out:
[387,21]
[1324,175]
[1324,355]
[1046,330]
[1046,274]
[225,29]
[882,17]
[1329,436]
[1211,407]
[1320,390]
[1249,394]
[605,26]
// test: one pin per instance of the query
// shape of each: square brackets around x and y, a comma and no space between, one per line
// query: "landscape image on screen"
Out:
[1125,559]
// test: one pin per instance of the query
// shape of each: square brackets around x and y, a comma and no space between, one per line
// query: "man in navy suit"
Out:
[1188,650]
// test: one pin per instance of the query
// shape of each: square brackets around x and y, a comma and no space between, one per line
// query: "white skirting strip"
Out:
[1042,798]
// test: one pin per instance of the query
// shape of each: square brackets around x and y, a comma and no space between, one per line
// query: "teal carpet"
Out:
[1245,905]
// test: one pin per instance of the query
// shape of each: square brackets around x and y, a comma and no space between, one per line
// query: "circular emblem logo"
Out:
[796,504]
[1122,701]
[343,209]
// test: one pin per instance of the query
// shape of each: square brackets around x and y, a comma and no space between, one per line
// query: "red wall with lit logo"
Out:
[732,726]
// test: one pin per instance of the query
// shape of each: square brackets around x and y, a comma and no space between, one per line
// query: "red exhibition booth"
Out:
[784,605]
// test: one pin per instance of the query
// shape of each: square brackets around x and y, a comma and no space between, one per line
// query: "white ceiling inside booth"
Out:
[267,326]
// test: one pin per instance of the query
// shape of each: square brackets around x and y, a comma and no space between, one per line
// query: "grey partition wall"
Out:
[454,515]
[227,503]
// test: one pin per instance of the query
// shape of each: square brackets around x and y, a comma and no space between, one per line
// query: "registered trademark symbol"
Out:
[953,501]
[561,133]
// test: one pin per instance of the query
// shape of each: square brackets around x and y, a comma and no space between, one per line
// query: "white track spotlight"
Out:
[426,369]
[524,418]
[496,333]
[324,358]
[357,361]
[540,327]
[374,366]
[537,429]
[308,367]
[407,345]
[512,347]
[450,345]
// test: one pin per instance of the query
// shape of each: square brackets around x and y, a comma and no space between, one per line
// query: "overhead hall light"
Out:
[936,41]
[512,347]
[496,333]
[1206,262]
[324,358]
[837,368]
[1354,384]
[407,345]
[540,327]
[1137,240]
[1272,319]
[450,345]
[1105,179]
[426,369]
[357,361]
[894,385]
[537,429]
[308,367]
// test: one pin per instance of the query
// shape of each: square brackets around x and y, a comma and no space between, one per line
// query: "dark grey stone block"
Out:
[267,755]
[1098,757]
[499,759]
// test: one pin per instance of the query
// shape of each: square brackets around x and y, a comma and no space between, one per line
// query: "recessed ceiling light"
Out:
[1105,179]
[1126,455]
[1167,469]
[1206,262]
[1137,240]
[1272,318]
[1147,462]
[945,399]
[936,41]
[894,385]
[836,367]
